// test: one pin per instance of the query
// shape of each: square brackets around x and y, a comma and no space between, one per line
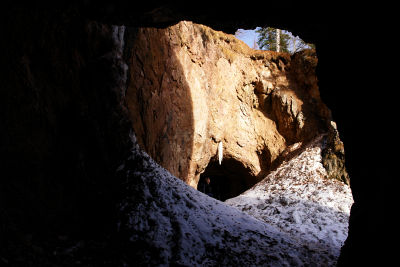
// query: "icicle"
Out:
[220,152]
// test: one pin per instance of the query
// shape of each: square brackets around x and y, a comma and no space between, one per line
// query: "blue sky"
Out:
[248,36]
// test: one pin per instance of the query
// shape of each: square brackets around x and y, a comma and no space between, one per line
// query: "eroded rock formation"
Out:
[192,87]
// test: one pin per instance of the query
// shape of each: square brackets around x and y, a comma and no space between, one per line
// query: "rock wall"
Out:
[63,131]
[192,87]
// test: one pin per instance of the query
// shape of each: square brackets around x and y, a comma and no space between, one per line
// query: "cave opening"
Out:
[227,180]
[344,102]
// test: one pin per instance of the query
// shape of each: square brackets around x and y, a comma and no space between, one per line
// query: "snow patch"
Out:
[169,222]
[298,199]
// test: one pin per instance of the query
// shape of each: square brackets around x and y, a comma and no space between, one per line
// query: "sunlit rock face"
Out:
[192,87]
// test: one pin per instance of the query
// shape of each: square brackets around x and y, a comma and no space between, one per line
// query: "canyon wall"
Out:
[192,87]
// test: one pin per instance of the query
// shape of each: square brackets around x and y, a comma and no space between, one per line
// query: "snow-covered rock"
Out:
[298,199]
[168,222]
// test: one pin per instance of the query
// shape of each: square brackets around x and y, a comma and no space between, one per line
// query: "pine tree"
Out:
[267,39]
[278,40]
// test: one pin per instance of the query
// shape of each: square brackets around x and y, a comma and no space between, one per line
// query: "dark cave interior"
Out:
[229,179]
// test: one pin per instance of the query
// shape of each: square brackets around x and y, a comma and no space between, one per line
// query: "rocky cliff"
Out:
[192,87]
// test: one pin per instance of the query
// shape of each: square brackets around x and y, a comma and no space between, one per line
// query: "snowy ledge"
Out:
[298,199]
[168,222]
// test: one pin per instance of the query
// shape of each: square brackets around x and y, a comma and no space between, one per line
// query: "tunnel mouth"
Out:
[227,180]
